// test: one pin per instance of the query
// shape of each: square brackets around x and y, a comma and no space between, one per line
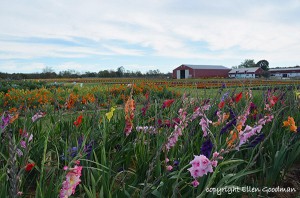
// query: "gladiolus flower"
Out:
[221,104]
[38,116]
[216,154]
[238,97]
[195,183]
[23,144]
[12,119]
[78,121]
[214,163]
[206,148]
[273,101]
[29,167]
[169,168]
[290,123]
[167,103]
[201,165]
[5,120]
[71,182]
[19,152]
[232,139]
[129,115]
[110,114]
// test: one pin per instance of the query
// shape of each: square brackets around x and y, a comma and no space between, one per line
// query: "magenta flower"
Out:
[195,183]
[5,120]
[23,144]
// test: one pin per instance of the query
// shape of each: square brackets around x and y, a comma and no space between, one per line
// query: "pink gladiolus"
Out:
[195,183]
[30,138]
[214,163]
[38,116]
[201,165]
[204,122]
[216,154]
[169,168]
[71,182]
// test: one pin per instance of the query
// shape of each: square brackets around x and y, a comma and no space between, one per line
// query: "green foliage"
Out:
[135,165]
[30,85]
[264,64]
[247,63]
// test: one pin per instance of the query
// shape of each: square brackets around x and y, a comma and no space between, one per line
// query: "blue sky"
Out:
[142,35]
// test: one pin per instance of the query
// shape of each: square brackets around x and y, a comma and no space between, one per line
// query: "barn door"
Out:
[182,74]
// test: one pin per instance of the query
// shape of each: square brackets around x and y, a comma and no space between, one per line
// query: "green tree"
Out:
[264,64]
[120,71]
[247,63]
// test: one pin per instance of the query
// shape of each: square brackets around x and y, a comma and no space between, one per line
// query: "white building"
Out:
[251,72]
[293,72]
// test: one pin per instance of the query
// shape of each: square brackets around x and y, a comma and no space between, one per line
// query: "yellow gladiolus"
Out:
[110,114]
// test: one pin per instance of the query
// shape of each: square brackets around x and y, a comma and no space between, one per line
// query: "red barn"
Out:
[200,71]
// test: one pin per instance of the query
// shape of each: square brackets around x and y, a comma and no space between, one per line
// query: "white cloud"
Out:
[203,30]
[14,67]
[123,51]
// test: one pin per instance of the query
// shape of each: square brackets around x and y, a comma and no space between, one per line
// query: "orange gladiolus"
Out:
[13,118]
[232,139]
[290,122]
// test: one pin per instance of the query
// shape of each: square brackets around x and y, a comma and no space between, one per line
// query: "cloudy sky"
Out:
[141,35]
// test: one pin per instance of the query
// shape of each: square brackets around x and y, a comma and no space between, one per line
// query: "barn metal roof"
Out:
[205,66]
[285,69]
[243,70]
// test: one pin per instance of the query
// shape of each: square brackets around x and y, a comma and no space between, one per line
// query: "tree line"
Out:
[120,72]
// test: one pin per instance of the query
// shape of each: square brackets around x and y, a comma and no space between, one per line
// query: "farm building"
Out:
[200,71]
[251,72]
[291,72]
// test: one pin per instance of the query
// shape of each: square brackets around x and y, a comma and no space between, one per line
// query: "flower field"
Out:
[147,140]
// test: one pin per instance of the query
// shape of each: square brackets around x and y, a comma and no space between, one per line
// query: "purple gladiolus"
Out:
[206,148]
[257,139]
[5,120]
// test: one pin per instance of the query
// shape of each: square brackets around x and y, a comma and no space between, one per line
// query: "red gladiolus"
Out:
[221,104]
[147,96]
[167,103]
[238,97]
[273,101]
[78,121]
[29,167]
